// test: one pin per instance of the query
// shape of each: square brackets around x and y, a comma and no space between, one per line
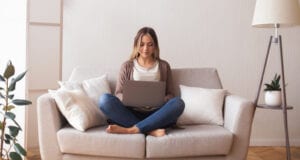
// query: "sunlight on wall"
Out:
[13,47]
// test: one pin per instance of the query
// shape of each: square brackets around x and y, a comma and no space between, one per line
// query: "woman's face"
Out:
[146,48]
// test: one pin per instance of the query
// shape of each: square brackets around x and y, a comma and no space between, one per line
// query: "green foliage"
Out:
[12,150]
[274,85]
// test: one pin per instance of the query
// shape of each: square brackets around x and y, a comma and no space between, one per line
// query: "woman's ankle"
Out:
[158,132]
[122,130]
[133,130]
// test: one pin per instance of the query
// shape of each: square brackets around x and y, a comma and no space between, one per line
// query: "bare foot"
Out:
[158,132]
[122,130]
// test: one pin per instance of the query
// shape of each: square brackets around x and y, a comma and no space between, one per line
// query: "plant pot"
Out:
[273,98]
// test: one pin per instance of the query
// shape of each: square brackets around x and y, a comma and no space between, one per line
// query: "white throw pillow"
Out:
[96,87]
[77,108]
[70,85]
[92,88]
[202,106]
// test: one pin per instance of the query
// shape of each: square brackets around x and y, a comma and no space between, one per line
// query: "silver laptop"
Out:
[144,93]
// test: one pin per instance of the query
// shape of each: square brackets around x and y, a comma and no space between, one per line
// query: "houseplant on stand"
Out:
[10,149]
[272,90]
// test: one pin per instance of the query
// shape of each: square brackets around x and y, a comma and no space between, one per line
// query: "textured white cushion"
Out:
[70,85]
[202,106]
[95,87]
[90,91]
[77,108]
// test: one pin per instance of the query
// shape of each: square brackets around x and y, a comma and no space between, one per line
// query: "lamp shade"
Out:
[270,12]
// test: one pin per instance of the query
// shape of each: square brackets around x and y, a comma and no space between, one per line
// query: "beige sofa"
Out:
[59,141]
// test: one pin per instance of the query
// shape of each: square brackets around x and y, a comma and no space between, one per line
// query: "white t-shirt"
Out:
[141,73]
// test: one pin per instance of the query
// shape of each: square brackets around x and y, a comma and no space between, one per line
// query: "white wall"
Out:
[207,33]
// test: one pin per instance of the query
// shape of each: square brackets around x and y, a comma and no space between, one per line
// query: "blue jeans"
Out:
[162,117]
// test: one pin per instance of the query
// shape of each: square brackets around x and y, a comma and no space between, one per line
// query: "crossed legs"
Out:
[129,122]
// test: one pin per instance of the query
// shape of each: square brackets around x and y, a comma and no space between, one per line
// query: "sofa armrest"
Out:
[238,117]
[50,121]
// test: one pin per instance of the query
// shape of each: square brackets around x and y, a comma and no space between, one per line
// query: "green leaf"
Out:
[20,76]
[278,79]
[9,71]
[14,131]
[21,102]
[12,85]
[1,125]
[274,85]
[1,78]
[20,149]
[15,156]
[1,88]
[7,136]
[11,96]
[268,87]
[16,123]
[7,141]
[8,108]
[10,115]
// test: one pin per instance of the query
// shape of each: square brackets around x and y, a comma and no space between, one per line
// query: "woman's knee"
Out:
[178,104]
[105,100]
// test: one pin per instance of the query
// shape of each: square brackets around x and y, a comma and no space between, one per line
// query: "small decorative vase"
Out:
[273,98]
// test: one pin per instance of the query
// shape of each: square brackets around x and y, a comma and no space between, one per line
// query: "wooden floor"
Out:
[254,153]
[272,153]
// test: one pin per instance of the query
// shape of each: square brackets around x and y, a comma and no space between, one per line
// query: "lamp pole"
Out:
[284,106]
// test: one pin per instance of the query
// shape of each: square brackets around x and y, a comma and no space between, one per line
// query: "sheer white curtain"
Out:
[13,47]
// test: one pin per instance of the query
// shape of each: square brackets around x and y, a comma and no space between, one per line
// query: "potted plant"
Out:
[10,149]
[273,92]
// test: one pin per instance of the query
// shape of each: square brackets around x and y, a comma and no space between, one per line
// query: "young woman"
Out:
[144,65]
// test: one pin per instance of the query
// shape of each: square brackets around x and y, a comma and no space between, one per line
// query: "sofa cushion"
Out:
[194,140]
[97,142]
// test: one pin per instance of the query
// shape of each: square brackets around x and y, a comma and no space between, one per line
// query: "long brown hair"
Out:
[137,41]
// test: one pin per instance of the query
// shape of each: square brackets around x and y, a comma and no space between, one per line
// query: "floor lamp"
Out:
[275,14]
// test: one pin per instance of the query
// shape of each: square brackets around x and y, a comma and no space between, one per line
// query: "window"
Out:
[13,46]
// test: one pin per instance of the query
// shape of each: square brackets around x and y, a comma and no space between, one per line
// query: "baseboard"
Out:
[33,153]
[274,142]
